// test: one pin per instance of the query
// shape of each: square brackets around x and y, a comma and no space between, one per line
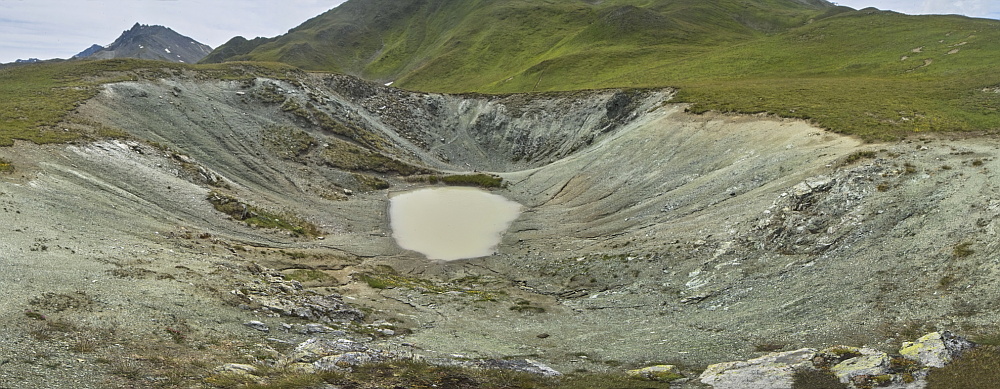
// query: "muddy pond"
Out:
[450,223]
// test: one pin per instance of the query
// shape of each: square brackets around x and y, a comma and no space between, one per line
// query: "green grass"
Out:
[478,179]
[978,368]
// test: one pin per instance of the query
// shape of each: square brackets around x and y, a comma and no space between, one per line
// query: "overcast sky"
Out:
[62,28]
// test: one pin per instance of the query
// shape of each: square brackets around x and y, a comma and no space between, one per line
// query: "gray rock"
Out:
[314,328]
[259,326]
[346,361]
[238,368]
[936,349]
[772,371]
[314,349]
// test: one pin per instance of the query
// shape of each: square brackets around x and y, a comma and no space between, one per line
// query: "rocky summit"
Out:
[150,42]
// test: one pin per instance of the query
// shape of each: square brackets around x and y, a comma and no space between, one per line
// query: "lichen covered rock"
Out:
[936,349]
[772,371]
[664,373]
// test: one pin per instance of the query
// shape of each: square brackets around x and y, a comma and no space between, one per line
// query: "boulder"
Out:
[936,349]
[314,349]
[345,361]
[871,363]
[257,325]
[772,371]
[664,373]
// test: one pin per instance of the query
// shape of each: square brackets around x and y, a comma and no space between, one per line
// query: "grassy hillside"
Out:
[35,98]
[879,75]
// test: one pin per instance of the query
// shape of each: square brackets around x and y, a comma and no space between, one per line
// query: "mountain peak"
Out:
[151,42]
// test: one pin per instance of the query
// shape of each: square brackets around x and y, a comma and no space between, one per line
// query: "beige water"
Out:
[450,223]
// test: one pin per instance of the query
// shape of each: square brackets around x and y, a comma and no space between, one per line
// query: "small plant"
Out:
[6,166]
[816,379]
[176,334]
[34,315]
[962,250]
[859,155]
[308,275]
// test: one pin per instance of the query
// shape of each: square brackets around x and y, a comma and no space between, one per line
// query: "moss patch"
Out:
[260,218]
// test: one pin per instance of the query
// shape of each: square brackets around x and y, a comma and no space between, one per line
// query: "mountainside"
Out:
[389,39]
[150,42]
[872,73]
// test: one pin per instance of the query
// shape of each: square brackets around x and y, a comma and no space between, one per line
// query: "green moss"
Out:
[858,155]
[347,156]
[6,166]
[978,368]
[308,275]
[816,379]
[962,250]
[260,218]
[289,142]
[479,179]
[368,182]
[387,278]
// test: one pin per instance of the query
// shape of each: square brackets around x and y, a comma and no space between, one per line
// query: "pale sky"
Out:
[975,8]
[48,29]
[62,28]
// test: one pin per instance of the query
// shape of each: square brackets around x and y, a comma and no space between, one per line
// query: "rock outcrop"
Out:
[273,293]
[858,368]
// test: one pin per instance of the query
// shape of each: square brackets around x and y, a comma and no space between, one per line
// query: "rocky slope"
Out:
[650,235]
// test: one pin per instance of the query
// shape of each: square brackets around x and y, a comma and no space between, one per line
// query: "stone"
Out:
[317,329]
[522,365]
[870,363]
[237,368]
[936,349]
[664,373]
[345,361]
[259,326]
[772,371]
[314,349]
[300,367]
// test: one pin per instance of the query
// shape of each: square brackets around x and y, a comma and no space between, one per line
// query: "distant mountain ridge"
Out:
[89,51]
[150,42]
